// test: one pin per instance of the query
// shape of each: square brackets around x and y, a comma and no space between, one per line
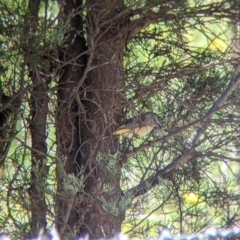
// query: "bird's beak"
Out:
[158,121]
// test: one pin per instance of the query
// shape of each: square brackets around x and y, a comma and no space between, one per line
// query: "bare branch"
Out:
[167,13]
[187,154]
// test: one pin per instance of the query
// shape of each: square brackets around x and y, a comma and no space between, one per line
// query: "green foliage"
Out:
[180,75]
[176,67]
[72,185]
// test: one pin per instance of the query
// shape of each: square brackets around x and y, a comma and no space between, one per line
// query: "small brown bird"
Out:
[139,126]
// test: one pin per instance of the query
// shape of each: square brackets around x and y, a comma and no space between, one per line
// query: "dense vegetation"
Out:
[73,71]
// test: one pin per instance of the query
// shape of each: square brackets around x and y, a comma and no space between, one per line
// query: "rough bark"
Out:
[67,121]
[96,96]
[104,102]
[37,124]
[39,110]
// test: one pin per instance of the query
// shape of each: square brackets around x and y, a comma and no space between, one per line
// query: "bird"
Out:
[139,126]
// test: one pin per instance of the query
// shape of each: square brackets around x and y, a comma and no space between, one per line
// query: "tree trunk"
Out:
[39,172]
[37,124]
[90,148]
[68,139]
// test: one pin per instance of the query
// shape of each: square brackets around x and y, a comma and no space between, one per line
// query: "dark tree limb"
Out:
[37,124]
[167,12]
[189,153]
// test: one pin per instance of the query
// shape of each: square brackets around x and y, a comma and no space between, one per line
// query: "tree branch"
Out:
[188,153]
[168,12]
